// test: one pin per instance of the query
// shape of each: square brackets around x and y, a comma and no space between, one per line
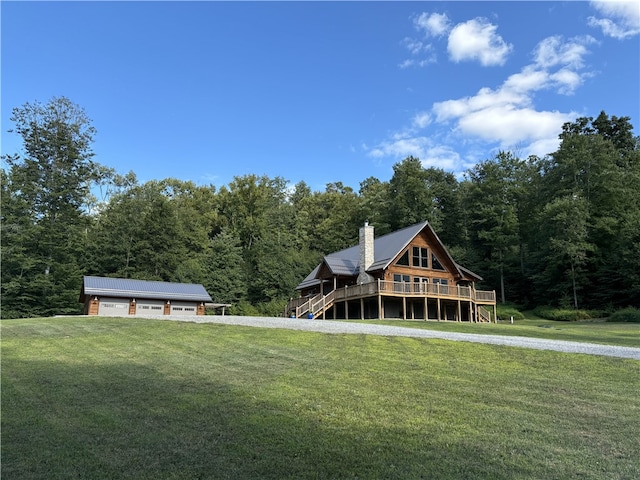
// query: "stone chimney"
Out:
[366,253]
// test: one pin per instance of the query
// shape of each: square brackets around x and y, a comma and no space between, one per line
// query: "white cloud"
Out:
[622,18]
[441,156]
[434,24]
[414,46]
[503,117]
[484,99]
[553,51]
[510,125]
[507,115]
[529,79]
[477,40]
[401,147]
[421,120]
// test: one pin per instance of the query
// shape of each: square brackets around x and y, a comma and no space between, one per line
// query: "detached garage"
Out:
[121,297]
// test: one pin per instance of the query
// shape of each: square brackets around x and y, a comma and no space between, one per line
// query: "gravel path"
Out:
[328,326]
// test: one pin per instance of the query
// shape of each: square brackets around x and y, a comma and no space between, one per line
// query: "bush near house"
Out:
[508,310]
[626,315]
[566,314]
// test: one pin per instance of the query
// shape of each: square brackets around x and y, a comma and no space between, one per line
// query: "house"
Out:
[407,274]
[122,297]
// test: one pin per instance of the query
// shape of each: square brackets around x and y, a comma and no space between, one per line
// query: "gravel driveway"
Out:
[328,326]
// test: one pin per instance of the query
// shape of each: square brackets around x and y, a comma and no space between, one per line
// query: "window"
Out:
[420,284]
[443,285]
[399,280]
[420,257]
[435,263]
[404,259]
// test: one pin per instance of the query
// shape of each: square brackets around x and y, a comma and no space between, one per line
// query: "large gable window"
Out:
[435,263]
[404,259]
[420,257]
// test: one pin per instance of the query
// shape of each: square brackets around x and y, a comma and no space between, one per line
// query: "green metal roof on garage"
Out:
[125,287]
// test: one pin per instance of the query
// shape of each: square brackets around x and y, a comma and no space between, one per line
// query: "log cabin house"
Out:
[407,274]
[108,296]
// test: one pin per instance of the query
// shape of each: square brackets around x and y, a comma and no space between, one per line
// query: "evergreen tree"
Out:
[45,196]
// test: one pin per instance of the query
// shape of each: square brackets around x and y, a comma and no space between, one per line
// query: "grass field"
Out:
[102,398]
[623,334]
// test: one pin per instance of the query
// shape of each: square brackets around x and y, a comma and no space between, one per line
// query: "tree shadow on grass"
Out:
[121,420]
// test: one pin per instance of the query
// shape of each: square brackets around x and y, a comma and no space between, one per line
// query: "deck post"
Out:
[438,308]
[459,307]
[361,308]
[346,309]
[426,309]
[404,308]
[470,312]
[380,312]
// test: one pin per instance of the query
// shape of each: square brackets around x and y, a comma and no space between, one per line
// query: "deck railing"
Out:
[435,290]
[318,303]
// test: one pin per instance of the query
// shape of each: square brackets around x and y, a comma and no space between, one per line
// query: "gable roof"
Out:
[385,248]
[124,287]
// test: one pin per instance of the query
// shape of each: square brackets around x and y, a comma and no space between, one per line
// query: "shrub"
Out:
[564,314]
[244,308]
[506,311]
[629,314]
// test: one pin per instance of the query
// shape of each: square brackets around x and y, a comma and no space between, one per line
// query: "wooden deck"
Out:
[473,299]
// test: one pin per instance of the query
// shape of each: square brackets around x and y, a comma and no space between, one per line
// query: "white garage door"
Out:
[113,307]
[150,307]
[183,308]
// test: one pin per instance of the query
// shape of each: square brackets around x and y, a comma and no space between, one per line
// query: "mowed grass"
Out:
[623,334]
[102,398]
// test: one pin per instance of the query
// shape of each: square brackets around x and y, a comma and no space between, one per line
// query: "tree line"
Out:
[563,229]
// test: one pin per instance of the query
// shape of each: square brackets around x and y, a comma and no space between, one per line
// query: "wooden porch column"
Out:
[404,308]
[470,313]
[380,311]
[495,314]
[459,309]
[346,310]
[361,308]
[426,309]
[438,308]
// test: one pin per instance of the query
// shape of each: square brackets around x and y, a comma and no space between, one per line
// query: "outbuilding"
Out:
[108,296]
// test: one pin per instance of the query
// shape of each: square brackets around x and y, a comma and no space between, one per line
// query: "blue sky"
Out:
[320,91]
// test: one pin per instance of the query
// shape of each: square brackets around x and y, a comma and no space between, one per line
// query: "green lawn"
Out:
[102,398]
[625,334]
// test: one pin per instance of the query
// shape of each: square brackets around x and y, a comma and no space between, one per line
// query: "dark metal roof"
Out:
[124,287]
[385,248]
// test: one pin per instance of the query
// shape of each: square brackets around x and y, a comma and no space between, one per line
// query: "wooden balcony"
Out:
[382,288]
[406,289]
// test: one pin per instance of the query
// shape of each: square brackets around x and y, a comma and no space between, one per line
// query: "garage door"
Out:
[150,307]
[183,308]
[113,307]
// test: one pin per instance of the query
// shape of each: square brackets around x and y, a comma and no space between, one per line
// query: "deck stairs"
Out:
[315,306]
[484,315]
